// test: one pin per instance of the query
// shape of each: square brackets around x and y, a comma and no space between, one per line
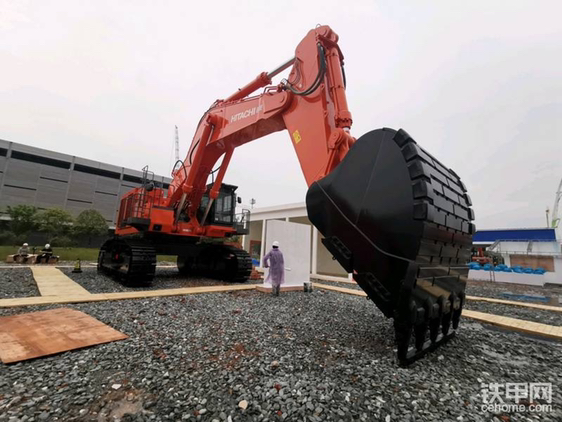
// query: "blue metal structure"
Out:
[536,235]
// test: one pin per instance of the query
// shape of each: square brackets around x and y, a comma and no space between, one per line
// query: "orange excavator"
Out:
[389,212]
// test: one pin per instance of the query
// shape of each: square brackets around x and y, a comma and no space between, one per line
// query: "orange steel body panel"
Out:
[318,124]
[165,218]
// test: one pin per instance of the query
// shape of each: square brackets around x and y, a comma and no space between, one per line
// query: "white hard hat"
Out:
[47,246]
[25,244]
[276,244]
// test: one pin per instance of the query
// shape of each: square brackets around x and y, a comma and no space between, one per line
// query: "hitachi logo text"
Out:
[250,112]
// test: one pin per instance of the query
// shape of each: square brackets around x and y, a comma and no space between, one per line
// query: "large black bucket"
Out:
[399,220]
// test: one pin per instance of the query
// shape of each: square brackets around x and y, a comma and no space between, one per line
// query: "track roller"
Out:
[221,262]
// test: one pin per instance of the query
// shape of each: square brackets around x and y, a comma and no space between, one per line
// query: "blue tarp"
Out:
[504,268]
[490,236]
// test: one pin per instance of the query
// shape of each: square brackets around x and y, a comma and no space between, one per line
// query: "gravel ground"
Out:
[166,278]
[337,284]
[318,356]
[485,289]
[536,315]
[489,289]
[17,282]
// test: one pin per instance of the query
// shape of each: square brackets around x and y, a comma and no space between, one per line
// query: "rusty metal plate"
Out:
[35,334]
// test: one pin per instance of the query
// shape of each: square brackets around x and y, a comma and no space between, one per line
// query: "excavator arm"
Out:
[311,104]
[555,222]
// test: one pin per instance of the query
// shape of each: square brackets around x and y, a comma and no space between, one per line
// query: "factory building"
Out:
[523,247]
[531,248]
[48,179]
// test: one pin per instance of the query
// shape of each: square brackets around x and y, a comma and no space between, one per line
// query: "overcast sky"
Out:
[478,84]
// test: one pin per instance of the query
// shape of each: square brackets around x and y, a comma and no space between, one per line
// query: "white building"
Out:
[321,262]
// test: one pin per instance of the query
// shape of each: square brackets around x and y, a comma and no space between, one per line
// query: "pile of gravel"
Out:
[17,282]
[166,278]
[298,357]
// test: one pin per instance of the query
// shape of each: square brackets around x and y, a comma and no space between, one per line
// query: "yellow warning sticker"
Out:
[296,136]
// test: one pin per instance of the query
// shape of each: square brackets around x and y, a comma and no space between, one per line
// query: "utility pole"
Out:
[555,216]
[177,145]
[252,203]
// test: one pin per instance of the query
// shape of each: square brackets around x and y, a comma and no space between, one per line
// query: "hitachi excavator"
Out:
[389,212]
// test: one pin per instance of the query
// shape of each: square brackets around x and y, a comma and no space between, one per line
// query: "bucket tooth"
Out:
[400,221]
[420,331]
[446,323]
[434,325]
[403,335]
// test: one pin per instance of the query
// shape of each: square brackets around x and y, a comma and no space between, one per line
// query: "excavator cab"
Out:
[223,209]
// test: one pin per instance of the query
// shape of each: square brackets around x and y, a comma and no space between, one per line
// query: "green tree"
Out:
[54,222]
[90,223]
[22,219]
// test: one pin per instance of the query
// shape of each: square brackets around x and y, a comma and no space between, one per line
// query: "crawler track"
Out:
[221,262]
[131,260]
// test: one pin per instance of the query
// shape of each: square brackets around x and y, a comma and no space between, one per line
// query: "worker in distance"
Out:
[276,263]
[23,252]
[46,254]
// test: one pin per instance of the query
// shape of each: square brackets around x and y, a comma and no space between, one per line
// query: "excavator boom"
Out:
[390,213]
[311,104]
